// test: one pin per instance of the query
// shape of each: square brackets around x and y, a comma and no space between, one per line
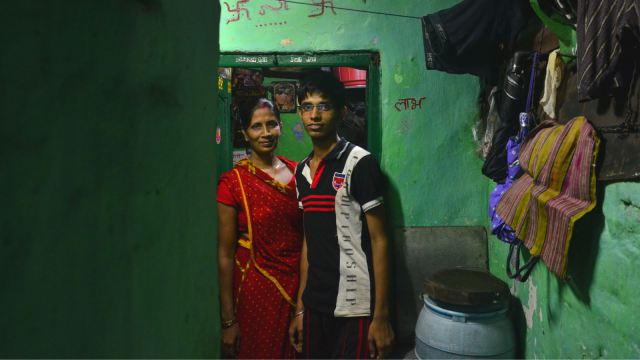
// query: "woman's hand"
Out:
[295,332]
[227,238]
[230,341]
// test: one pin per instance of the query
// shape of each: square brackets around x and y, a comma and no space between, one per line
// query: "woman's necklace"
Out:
[273,169]
[278,165]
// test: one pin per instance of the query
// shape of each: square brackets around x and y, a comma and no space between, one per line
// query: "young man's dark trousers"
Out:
[329,337]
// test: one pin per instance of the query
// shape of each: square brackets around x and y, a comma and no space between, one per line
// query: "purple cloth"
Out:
[498,227]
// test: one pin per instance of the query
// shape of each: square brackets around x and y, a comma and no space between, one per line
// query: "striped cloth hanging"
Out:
[557,188]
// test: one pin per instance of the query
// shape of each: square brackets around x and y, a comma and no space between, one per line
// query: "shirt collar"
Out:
[335,153]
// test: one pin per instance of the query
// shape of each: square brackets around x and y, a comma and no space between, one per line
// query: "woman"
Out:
[260,238]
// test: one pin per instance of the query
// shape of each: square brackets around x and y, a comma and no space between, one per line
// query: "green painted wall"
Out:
[594,313]
[107,233]
[427,153]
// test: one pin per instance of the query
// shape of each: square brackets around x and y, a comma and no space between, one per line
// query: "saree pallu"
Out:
[267,260]
[557,188]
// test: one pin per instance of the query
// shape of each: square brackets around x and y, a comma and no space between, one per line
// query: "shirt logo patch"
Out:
[338,180]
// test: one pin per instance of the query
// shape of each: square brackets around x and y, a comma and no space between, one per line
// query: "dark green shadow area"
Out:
[107,178]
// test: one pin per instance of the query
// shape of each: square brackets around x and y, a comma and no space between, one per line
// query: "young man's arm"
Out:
[295,328]
[380,332]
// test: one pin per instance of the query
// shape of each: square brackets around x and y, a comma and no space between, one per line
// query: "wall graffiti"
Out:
[409,104]
[323,4]
[277,23]
[282,6]
[238,10]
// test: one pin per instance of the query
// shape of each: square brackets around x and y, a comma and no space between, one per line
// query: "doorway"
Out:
[276,77]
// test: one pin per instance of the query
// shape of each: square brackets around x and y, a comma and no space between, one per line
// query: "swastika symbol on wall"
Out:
[238,10]
[323,4]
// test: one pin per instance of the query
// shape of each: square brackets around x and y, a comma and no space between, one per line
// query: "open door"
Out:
[277,70]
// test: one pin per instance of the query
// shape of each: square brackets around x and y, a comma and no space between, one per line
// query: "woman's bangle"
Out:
[299,313]
[229,323]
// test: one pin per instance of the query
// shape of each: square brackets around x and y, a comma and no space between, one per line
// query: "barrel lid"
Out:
[466,287]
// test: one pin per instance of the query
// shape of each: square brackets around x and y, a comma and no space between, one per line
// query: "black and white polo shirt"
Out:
[347,183]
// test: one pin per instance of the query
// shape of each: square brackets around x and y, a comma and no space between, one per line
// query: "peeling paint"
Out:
[398,78]
[286,42]
[540,314]
[530,310]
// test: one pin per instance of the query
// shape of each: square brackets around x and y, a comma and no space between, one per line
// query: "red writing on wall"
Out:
[282,6]
[323,4]
[409,104]
[238,10]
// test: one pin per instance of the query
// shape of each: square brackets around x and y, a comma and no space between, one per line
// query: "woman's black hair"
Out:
[324,83]
[248,108]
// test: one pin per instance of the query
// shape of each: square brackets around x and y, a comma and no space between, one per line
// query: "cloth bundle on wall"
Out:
[557,188]
[473,36]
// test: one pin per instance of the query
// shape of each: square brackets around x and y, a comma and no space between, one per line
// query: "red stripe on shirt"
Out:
[318,209]
[316,178]
[309,197]
[329,203]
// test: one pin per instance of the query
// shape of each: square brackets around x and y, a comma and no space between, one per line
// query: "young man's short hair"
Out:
[325,83]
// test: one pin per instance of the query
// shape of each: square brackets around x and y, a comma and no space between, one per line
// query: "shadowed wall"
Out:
[107,233]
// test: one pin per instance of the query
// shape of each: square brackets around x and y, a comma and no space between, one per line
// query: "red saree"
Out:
[267,262]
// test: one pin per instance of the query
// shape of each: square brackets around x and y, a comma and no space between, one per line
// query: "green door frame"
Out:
[363,60]
[224,136]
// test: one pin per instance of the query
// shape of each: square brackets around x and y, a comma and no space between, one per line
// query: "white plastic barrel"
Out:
[447,334]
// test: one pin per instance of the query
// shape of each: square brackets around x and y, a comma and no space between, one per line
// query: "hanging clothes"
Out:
[473,36]
[600,44]
[552,80]
[557,188]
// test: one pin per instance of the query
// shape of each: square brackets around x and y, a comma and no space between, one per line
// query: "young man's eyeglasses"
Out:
[322,107]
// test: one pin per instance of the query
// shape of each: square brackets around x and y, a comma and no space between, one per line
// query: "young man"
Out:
[342,309]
